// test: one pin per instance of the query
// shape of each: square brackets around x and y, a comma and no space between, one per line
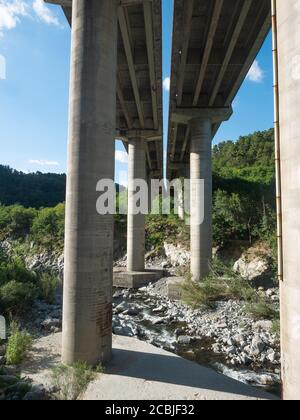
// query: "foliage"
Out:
[19,287]
[251,157]
[17,298]
[244,189]
[72,381]
[262,310]
[276,326]
[48,284]
[168,228]
[19,343]
[15,221]
[221,284]
[15,270]
[31,190]
[48,227]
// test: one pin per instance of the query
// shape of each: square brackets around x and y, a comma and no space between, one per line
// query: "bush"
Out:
[48,227]
[19,343]
[160,229]
[16,221]
[262,310]
[221,284]
[15,270]
[72,381]
[276,326]
[16,297]
[48,284]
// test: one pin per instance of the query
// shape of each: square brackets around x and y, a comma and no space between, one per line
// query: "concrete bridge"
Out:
[115,92]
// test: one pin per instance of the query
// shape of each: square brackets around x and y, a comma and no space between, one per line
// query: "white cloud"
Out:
[10,13]
[43,162]
[121,157]
[256,73]
[44,13]
[167,84]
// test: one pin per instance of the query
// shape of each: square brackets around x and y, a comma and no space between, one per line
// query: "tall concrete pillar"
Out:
[87,312]
[288,36]
[136,222]
[201,169]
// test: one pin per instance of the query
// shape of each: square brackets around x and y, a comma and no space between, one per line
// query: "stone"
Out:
[51,324]
[176,255]
[123,331]
[257,346]
[35,396]
[231,350]
[263,326]
[184,340]
[253,268]
[132,312]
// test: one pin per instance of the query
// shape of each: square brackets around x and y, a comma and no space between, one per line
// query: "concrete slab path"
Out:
[140,371]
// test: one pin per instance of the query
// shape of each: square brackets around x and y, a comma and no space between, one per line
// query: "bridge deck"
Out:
[139,85]
[214,45]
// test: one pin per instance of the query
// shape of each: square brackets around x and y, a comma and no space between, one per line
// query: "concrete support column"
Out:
[87,312]
[201,169]
[136,222]
[288,28]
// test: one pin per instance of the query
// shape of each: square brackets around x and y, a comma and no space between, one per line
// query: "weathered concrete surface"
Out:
[89,237]
[288,17]
[136,222]
[174,286]
[135,280]
[139,371]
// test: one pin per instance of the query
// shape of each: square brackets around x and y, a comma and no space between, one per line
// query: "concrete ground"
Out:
[140,371]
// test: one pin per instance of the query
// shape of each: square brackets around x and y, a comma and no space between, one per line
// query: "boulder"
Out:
[176,255]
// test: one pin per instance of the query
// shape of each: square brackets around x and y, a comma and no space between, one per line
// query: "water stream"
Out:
[140,315]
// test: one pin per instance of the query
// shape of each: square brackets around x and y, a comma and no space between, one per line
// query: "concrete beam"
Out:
[189,8]
[185,115]
[229,51]
[208,48]
[151,60]
[129,55]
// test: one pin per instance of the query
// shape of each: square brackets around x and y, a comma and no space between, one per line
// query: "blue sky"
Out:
[34,82]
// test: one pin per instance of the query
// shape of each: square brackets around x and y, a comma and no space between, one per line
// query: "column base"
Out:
[135,280]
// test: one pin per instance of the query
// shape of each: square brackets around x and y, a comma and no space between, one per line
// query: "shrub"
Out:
[16,297]
[16,221]
[276,326]
[48,227]
[160,229]
[19,343]
[221,284]
[48,284]
[262,310]
[72,381]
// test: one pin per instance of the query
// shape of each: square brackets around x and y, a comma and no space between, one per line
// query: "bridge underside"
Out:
[116,92]
[139,79]
[214,45]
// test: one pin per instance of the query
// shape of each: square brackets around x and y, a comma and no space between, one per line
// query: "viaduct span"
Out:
[116,92]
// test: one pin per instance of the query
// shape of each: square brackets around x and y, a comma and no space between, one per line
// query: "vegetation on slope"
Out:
[244,201]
